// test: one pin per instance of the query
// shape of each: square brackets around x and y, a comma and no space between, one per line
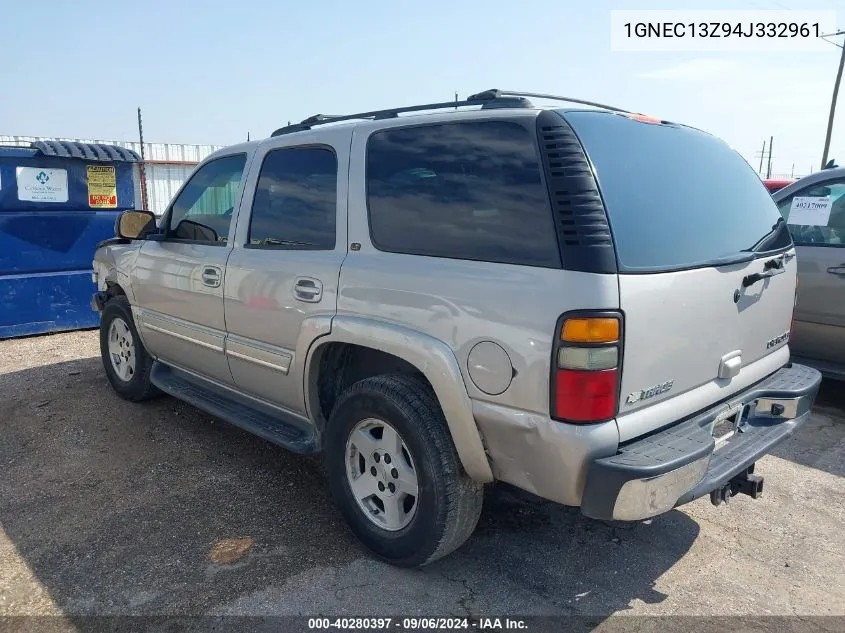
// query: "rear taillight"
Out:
[585,367]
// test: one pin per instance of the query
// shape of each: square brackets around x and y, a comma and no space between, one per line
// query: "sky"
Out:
[211,72]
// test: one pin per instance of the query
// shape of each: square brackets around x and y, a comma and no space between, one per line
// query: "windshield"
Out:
[676,197]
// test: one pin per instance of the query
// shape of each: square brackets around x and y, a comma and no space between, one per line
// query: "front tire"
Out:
[395,474]
[125,360]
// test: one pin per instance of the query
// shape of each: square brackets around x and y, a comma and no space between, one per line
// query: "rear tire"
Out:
[399,411]
[125,360]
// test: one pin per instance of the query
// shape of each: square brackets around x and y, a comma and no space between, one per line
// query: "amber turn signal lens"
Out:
[592,330]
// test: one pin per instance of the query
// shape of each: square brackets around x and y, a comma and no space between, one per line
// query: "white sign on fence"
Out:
[39,184]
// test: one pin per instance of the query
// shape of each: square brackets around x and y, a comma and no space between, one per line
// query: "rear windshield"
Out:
[675,197]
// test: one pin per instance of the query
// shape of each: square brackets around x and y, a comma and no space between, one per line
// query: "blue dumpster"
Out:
[58,200]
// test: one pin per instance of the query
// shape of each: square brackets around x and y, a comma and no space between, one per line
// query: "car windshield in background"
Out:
[676,197]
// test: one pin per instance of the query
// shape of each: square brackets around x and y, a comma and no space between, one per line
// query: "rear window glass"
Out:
[295,204]
[675,197]
[469,190]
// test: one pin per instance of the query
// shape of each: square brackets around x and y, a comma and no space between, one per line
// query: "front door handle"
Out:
[211,276]
[308,289]
[837,270]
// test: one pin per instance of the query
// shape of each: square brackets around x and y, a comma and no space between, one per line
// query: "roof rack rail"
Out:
[322,119]
[499,94]
[489,99]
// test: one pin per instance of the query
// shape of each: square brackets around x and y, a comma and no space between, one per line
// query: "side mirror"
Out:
[135,225]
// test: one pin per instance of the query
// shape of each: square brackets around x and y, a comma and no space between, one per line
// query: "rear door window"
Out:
[676,197]
[295,204]
[469,190]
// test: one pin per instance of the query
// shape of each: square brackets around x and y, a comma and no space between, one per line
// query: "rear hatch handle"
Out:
[770,268]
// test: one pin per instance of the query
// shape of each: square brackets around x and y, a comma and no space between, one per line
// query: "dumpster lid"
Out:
[86,151]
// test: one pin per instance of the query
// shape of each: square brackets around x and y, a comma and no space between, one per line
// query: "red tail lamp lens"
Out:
[586,396]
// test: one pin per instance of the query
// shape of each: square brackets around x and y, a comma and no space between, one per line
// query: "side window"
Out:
[203,210]
[469,190]
[295,203]
[816,215]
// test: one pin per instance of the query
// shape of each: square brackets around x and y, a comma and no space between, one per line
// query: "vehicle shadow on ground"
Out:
[115,508]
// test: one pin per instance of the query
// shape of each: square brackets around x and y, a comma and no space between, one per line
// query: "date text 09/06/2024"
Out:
[722,29]
[418,624]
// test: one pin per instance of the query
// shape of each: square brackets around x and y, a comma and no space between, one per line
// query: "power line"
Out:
[824,37]
[829,42]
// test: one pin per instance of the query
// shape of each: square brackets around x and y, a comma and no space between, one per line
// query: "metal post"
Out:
[833,106]
[142,165]
[762,154]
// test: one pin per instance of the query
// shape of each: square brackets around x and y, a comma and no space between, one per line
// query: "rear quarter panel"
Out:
[463,303]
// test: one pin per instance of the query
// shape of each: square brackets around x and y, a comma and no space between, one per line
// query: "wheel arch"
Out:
[114,289]
[402,349]
[112,263]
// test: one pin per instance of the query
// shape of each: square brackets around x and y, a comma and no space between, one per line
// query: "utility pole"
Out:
[142,172]
[769,168]
[833,98]
[792,173]
[762,154]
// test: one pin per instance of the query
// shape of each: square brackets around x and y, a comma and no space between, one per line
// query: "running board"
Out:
[263,420]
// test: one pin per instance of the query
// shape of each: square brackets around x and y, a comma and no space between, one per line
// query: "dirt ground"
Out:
[112,508]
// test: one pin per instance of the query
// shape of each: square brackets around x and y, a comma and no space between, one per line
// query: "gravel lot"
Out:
[111,508]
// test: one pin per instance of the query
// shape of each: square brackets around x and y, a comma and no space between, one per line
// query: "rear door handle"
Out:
[211,276]
[837,270]
[308,289]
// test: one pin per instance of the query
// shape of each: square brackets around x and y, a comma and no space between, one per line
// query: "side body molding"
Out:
[436,362]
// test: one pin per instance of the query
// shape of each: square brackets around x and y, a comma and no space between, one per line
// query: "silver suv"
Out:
[589,304]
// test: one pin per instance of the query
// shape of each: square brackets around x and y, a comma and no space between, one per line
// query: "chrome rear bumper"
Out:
[654,474]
